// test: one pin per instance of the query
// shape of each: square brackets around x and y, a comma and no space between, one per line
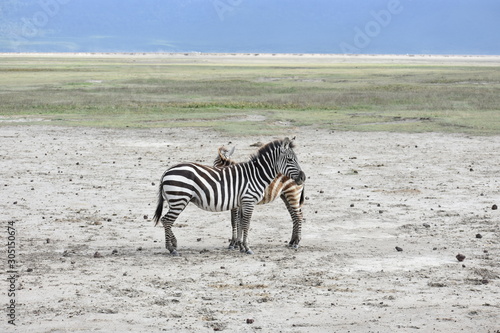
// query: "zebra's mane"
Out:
[269,147]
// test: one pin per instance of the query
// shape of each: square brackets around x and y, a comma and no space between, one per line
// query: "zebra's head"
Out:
[287,162]
[223,158]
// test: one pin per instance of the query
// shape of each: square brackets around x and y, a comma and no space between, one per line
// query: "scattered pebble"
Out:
[460,257]
[250,321]
[115,251]
[399,249]
[427,225]
[494,207]
[139,248]
[29,270]
[479,236]
[145,217]
[97,255]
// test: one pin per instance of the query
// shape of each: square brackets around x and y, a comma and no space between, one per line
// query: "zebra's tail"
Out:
[159,207]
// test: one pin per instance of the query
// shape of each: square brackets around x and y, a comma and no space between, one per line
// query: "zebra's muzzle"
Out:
[301,178]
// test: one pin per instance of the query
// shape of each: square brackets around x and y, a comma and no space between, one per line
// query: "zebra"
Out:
[219,189]
[282,186]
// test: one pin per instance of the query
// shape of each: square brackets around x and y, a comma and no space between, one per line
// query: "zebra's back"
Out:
[209,188]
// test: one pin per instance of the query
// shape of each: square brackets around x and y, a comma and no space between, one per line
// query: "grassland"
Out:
[249,95]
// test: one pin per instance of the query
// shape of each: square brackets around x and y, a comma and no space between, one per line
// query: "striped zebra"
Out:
[219,189]
[290,192]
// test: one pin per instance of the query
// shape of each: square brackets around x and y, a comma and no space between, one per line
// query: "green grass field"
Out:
[248,96]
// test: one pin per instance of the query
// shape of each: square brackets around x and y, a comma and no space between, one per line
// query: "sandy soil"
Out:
[75,192]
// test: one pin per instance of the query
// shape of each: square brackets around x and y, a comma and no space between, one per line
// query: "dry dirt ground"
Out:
[90,260]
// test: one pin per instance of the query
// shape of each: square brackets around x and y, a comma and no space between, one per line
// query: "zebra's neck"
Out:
[264,169]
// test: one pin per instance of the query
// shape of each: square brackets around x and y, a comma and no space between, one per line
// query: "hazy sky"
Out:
[274,26]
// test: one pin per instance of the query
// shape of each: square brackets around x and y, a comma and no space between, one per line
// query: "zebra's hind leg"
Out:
[234,225]
[170,241]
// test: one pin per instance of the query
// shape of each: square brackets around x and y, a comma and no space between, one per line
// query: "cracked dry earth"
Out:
[90,259]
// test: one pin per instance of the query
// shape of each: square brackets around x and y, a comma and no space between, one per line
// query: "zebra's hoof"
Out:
[293,246]
[231,247]
[174,253]
[249,251]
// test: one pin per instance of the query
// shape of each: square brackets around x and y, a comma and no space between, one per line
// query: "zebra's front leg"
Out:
[297,219]
[234,225]
[243,227]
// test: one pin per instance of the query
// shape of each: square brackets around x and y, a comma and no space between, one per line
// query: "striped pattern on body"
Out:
[217,189]
[282,186]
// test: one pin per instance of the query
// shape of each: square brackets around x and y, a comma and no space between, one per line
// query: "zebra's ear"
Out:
[286,143]
[231,152]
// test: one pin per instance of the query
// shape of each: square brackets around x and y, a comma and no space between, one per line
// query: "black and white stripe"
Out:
[219,189]
[282,186]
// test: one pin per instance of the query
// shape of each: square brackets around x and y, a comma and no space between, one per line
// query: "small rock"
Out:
[97,255]
[399,249]
[352,205]
[494,207]
[321,191]
[47,240]
[145,217]
[460,257]
[250,321]
[29,270]
[115,251]
[198,239]
[427,225]
[479,236]
[139,248]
